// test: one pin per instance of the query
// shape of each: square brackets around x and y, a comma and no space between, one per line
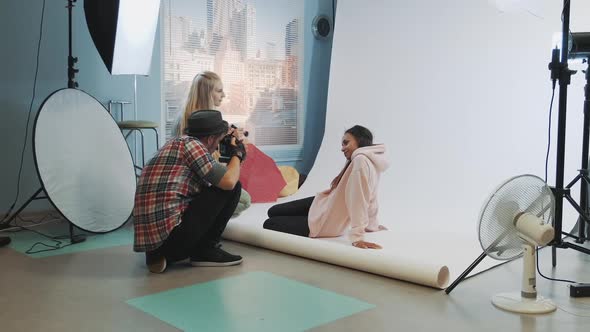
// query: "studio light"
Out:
[123,32]
[579,45]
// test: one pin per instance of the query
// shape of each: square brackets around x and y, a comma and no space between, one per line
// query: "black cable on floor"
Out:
[22,155]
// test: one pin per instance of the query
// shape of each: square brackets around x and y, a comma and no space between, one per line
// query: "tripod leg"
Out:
[76,238]
[554,256]
[5,224]
[465,273]
[585,145]
[577,247]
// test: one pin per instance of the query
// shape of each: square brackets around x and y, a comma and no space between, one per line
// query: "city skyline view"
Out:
[257,57]
[274,12]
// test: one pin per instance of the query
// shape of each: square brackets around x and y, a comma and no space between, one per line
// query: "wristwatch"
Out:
[239,154]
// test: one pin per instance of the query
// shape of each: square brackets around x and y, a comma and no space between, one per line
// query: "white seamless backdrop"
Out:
[459,92]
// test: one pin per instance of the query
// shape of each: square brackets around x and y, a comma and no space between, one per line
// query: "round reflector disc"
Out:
[83,161]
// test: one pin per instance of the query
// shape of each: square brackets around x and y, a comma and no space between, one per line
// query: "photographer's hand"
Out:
[242,148]
[240,133]
[232,175]
[238,149]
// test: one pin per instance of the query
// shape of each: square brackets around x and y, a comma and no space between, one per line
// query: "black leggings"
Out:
[290,217]
[202,223]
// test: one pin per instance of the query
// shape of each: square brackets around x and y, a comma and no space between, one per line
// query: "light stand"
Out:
[561,72]
[71,84]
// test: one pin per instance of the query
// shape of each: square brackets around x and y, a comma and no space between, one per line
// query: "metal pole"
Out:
[71,60]
[564,80]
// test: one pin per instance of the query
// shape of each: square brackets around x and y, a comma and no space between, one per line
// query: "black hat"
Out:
[206,123]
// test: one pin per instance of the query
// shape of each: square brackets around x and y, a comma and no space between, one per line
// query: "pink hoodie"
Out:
[354,201]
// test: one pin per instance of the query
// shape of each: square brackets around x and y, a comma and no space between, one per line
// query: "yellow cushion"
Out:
[291,176]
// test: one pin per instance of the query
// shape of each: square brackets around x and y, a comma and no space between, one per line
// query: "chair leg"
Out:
[157,139]
[142,149]
[133,156]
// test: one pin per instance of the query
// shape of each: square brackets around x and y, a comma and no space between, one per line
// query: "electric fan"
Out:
[515,220]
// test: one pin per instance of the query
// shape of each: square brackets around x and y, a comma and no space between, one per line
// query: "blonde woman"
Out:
[206,93]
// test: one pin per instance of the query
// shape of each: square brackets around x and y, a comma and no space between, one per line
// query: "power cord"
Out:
[549,133]
[31,223]
[549,278]
[58,244]
[546,170]
[22,155]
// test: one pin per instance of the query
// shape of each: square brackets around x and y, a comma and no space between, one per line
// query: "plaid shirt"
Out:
[166,186]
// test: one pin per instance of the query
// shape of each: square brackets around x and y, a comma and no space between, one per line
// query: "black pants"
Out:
[202,223]
[290,217]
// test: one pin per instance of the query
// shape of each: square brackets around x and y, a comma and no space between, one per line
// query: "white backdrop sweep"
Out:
[459,91]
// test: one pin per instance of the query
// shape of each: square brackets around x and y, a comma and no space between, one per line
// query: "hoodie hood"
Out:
[376,154]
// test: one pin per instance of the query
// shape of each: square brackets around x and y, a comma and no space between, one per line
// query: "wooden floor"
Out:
[86,291]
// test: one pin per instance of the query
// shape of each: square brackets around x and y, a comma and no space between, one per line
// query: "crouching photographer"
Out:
[185,198]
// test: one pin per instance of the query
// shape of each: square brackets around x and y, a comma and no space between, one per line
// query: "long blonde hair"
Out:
[200,96]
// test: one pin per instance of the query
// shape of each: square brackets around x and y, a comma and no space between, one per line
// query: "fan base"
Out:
[514,302]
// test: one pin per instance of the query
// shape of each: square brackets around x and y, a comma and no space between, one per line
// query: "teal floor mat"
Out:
[38,246]
[256,301]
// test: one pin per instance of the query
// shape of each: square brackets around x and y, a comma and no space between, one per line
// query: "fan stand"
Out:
[526,301]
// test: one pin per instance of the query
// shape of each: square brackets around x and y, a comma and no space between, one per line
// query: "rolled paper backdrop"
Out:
[373,261]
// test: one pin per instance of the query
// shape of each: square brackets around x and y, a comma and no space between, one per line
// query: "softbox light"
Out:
[580,45]
[123,32]
[83,162]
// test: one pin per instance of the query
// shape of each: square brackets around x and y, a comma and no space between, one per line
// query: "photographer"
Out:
[185,198]
[206,93]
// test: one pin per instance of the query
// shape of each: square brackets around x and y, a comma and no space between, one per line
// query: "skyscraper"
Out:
[292,54]
[251,30]
[292,38]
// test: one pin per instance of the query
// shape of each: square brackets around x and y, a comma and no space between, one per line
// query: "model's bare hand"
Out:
[366,245]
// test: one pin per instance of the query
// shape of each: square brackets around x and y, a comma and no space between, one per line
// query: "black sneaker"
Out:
[155,262]
[4,241]
[215,257]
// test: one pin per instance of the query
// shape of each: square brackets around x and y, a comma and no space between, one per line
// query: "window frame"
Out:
[280,153]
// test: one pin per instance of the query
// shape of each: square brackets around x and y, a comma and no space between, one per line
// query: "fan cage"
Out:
[497,233]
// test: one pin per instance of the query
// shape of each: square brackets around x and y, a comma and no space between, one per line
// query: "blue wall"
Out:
[20,35]
[315,83]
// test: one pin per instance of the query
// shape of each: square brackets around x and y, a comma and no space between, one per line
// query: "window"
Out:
[256,48]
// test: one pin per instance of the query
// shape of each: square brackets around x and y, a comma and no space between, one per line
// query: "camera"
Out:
[226,148]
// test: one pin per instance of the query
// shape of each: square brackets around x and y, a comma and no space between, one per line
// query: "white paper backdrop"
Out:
[459,92]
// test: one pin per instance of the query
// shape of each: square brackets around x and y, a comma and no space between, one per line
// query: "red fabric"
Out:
[260,176]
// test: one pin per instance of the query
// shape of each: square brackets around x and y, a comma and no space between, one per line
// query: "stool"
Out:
[134,126]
